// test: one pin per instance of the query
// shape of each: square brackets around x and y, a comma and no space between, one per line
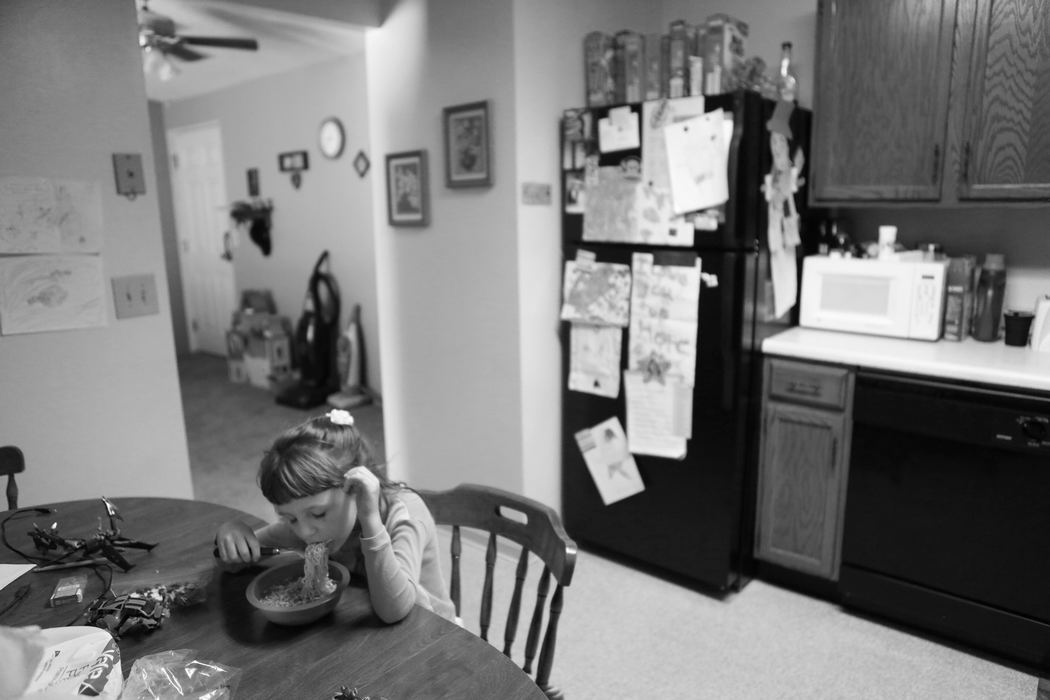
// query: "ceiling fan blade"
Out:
[221,42]
[178,50]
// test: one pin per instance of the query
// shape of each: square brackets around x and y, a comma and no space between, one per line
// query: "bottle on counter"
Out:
[959,292]
[787,80]
[988,304]
[887,242]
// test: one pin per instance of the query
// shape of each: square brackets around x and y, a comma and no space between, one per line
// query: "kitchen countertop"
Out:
[967,360]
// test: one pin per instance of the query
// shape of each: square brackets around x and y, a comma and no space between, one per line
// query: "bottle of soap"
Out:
[988,304]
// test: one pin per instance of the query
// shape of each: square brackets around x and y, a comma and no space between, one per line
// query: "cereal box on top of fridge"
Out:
[598,64]
[724,47]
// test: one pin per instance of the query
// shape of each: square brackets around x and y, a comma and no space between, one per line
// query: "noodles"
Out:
[314,583]
[315,573]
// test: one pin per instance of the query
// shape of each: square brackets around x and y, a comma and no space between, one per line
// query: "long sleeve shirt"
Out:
[401,563]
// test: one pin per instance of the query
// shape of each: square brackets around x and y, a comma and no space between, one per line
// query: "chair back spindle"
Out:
[538,533]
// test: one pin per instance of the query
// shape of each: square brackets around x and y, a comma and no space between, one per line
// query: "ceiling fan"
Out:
[157,33]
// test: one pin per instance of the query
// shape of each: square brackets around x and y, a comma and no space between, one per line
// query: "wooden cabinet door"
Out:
[1007,150]
[881,99]
[801,488]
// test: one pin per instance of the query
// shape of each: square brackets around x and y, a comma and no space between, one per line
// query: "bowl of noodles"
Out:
[301,591]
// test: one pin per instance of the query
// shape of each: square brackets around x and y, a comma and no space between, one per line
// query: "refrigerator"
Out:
[694,521]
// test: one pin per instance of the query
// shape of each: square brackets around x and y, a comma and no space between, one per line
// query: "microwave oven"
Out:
[899,298]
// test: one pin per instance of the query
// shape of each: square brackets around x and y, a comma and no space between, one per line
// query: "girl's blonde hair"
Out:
[313,457]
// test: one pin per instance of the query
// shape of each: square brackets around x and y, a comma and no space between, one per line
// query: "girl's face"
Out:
[328,516]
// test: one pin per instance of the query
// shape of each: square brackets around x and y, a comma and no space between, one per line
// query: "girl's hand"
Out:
[237,543]
[365,488]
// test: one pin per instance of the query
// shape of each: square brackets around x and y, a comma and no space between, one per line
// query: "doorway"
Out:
[198,185]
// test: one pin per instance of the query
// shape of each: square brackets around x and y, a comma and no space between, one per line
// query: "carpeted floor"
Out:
[625,633]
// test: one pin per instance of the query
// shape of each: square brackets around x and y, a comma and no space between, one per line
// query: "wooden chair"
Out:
[12,461]
[537,529]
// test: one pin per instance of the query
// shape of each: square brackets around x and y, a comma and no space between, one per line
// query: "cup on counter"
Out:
[1018,324]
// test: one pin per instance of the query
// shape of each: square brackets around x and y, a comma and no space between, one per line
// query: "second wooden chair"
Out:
[537,529]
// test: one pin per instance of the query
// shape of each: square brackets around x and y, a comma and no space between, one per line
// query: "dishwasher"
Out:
[947,519]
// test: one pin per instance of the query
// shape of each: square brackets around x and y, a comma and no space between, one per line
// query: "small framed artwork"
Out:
[407,189]
[468,154]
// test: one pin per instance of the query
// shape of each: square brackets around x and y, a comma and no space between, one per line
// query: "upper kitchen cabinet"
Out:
[1006,152]
[881,100]
[932,101]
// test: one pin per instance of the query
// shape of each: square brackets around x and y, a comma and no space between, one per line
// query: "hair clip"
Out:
[340,417]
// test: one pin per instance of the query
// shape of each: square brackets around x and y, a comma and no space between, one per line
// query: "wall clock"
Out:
[331,138]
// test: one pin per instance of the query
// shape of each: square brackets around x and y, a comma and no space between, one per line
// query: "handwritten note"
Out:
[664,316]
[597,293]
[612,467]
[696,162]
[659,414]
[594,359]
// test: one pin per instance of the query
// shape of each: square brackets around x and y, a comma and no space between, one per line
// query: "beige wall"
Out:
[469,305]
[96,411]
[448,292]
[331,210]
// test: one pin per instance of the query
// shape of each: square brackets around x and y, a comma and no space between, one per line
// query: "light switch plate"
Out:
[127,168]
[135,295]
[536,193]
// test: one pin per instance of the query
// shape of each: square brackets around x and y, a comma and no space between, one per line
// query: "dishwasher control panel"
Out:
[1033,431]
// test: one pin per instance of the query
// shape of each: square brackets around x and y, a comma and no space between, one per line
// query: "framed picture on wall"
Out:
[407,189]
[468,154]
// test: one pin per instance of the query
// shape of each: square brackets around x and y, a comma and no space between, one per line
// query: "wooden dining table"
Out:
[423,656]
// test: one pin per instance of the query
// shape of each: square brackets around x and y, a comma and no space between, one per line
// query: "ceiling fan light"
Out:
[167,69]
[151,60]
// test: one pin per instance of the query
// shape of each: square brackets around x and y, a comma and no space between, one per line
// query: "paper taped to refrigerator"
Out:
[696,162]
[664,316]
[594,359]
[659,414]
[596,293]
[618,131]
[656,114]
[612,212]
[612,467]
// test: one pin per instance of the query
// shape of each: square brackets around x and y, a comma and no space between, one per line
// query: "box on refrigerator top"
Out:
[598,54]
[652,71]
[678,59]
[723,55]
[630,54]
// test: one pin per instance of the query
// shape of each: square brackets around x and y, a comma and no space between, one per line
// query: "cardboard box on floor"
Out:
[259,348]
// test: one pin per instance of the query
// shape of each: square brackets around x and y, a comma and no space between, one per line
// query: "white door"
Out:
[198,183]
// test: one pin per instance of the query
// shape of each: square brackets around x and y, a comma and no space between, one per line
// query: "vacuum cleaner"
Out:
[348,360]
[315,342]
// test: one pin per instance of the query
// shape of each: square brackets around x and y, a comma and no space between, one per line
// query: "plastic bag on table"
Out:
[178,674]
[59,662]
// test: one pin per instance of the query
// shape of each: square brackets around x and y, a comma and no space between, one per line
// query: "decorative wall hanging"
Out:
[468,156]
[361,164]
[256,215]
[407,189]
[294,162]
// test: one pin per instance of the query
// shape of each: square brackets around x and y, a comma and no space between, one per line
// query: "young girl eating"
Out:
[325,488]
